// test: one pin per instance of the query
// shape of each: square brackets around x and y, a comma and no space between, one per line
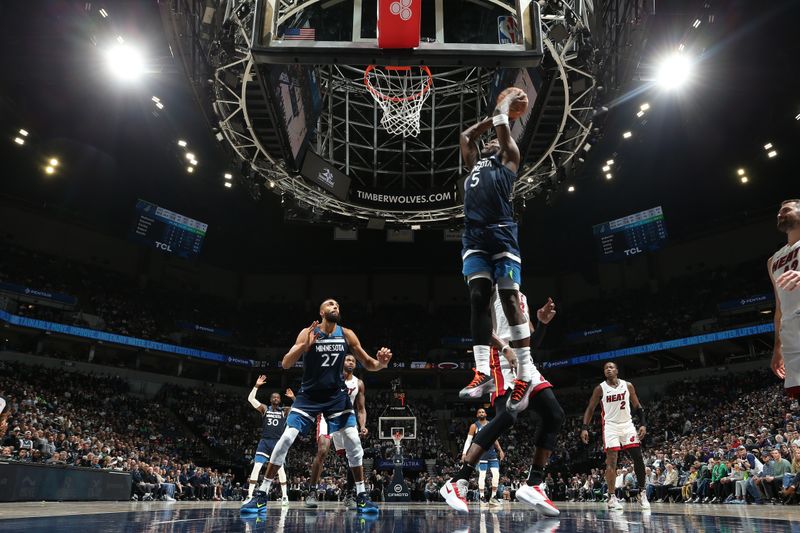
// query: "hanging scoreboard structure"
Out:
[631,235]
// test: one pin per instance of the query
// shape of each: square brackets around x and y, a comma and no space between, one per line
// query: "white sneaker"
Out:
[168,498]
[455,494]
[643,501]
[614,504]
[537,498]
[284,501]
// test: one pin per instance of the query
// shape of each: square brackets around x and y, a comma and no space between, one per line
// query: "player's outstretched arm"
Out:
[379,362]
[469,139]
[361,409]
[638,410]
[589,413]
[260,407]
[305,339]
[510,151]
[777,351]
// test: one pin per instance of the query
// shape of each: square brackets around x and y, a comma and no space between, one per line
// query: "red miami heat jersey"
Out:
[615,404]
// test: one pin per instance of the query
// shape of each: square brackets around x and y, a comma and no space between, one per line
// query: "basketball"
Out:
[519,105]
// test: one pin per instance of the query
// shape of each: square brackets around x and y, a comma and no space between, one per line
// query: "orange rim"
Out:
[384,97]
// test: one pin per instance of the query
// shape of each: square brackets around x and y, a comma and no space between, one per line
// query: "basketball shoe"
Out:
[643,500]
[255,504]
[455,494]
[614,504]
[480,385]
[518,401]
[536,497]
[365,505]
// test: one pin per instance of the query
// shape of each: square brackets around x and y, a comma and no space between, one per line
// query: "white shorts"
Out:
[790,344]
[620,437]
[322,430]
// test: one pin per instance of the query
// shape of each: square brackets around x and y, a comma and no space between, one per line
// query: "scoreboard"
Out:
[167,231]
[631,235]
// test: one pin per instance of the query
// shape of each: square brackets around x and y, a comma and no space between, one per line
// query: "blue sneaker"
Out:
[364,505]
[256,504]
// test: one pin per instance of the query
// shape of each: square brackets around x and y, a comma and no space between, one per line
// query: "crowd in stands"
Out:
[149,310]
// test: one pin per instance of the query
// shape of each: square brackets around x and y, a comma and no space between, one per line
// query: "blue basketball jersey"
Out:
[324,362]
[487,193]
[491,453]
[273,424]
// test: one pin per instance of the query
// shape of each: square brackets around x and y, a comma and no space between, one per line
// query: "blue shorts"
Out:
[334,405]
[264,450]
[490,463]
[492,250]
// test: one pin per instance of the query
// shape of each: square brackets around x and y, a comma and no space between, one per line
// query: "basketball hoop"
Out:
[400,91]
[397,436]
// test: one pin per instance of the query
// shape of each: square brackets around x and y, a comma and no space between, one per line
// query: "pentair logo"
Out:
[402,8]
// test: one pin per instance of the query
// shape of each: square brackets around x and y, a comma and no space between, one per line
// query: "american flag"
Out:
[300,34]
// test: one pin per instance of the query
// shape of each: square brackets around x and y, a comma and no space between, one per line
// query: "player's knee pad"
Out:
[552,414]
[282,475]
[256,469]
[283,445]
[352,446]
[495,477]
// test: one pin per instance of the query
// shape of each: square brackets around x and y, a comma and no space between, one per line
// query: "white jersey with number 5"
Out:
[615,406]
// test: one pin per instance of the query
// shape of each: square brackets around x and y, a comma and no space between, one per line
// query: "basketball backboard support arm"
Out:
[269,47]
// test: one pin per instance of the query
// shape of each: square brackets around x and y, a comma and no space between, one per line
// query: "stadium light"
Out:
[159,105]
[49,169]
[190,156]
[125,62]
[571,188]
[740,172]
[610,162]
[103,13]
[674,71]
[797,116]
[271,184]
[19,140]
[696,23]
[767,146]
[744,179]
[640,114]
[606,168]
[53,162]
[627,135]
[156,99]
[190,169]
[228,176]
[644,107]
[24,133]
[609,176]
[772,154]
[193,162]
[182,143]
[228,184]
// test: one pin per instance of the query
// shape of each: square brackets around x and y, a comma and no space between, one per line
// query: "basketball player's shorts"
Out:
[492,252]
[500,370]
[790,344]
[264,450]
[620,437]
[489,463]
[334,405]
[322,431]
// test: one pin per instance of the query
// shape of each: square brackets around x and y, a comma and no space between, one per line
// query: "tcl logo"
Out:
[633,251]
[163,246]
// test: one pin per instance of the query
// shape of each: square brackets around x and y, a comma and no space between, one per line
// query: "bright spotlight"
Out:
[19,140]
[627,135]
[796,117]
[190,156]
[640,114]
[696,23]
[189,169]
[125,63]
[24,133]
[744,179]
[53,162]
[193,162]
[49,169]
[103,13]
[609,176]
[740,172]
[767,146]
[228,184]
[772,154]
[182,143]
[571,188]
[606,168]
[228,176]
[674,71]
[645,106]
[610,162]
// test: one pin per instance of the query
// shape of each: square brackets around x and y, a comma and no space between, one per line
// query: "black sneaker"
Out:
[519,396]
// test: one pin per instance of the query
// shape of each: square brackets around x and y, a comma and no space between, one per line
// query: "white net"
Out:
[401,92]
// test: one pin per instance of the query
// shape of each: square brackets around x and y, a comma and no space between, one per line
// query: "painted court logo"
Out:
[402,8]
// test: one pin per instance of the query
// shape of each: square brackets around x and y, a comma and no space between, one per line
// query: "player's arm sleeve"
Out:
[252,398]
[467,444]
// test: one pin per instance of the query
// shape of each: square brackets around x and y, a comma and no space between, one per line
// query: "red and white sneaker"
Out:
[455,494]
[537,498]
[480,385]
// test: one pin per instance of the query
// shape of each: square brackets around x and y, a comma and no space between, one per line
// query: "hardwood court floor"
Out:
[208,517]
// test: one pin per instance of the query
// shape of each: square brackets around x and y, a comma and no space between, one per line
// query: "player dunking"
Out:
[355,390]
[784,271]
[617,399]
[543,403]
[323,347]
[271,429]
[489,460]
[490,252]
